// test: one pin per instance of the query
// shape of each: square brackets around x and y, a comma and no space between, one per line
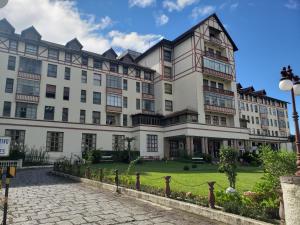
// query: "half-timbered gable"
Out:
[31,34]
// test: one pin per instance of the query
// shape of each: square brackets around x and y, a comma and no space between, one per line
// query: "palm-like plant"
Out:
[129,140]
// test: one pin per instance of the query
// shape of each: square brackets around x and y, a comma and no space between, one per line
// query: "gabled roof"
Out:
[6,27]
[110,53]
[74,44]
[31,33]
[260,93]
[126,58]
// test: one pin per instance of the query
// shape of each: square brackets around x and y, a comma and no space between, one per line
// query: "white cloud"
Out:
[61,21]
[177,5]
[202,11]
[292,4]
[161,19]
[141,3]
[133,40]
[234,6]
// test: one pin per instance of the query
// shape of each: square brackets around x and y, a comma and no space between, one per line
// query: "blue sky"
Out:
[267,32]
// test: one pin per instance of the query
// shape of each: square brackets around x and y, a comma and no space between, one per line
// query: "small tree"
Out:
[228,164]
[129,140]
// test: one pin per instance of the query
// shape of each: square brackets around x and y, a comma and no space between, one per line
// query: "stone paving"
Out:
[39,198]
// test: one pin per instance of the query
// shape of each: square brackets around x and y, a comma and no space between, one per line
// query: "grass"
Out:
[193,180]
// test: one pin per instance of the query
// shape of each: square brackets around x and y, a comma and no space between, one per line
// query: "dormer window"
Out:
[97,64]
[84,60]
[68,57]
[137,73]
[113,67]
[13,45]
[52,54]
[31,49]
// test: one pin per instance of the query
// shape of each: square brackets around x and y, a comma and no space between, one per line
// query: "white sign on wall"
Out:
[4,146]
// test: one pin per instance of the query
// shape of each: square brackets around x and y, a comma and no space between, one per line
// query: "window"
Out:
[9,86]
[275,123]
[82,116]
[138,104]
[96,117]
[50,91]
[112,119]
[168,105]
[13,45]
[52,70]
[97,98]
[125,84]
[17,137]
[257,120]
[247,107]
[55,141]
[138,87]
[148,75]
[31,49]
[6,109]
[28,87]
[118,142]
[83,77]
[66,94]
[84,60]
[68,57]
[97,79]
[213,84]
[252,119]
[88,142]
[251,107]
[215,120]
[168,88]
[148,105]
[113,67]
[137,73]
[53,54]
[223,121]
[125,70]
[148,88]
[26,110]
[255,108]
[125,120]
[67,73]
[28,65]
[207,119]
[217,65]
[221,86]
[114,100]
[152,143]
[83,96]
[97,64]
[167,55]
[49,113]
[271,122]
[65,114]
[168,72]
[125,102]
[11,65]
[113,82]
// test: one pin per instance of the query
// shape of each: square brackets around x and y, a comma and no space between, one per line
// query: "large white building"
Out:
[178,95]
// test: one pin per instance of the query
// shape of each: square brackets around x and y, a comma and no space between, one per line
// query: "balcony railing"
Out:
[147,96]
[27,98]
[263,114]
[219,109]
[264,126]
[116,109]
[114,90]
[218,74]
[31,76]
[215,40]
[215,56]
[217,90]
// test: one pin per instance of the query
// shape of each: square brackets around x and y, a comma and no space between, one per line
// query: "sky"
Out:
[266,32]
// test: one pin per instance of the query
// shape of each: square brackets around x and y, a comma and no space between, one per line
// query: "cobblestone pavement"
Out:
[39,198]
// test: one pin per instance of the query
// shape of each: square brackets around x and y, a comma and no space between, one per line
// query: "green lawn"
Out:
[151,173]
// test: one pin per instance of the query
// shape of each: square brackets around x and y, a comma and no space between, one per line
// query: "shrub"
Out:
[206,157]
[186,167]
[250,158]
[228,164]
[194,166]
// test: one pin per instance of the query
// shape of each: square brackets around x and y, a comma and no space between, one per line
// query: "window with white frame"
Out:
[114,100]
[31,49]
[152,143]
[97,79]
[55,141]
[113,82]
[52,54]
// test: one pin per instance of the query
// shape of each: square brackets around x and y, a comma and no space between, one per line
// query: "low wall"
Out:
[188,207]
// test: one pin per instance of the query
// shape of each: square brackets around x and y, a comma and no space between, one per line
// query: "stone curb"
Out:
[220,216]
[36,167]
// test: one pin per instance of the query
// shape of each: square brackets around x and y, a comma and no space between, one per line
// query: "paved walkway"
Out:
[37,198]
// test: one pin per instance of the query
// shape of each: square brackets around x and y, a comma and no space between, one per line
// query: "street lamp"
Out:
[291,82]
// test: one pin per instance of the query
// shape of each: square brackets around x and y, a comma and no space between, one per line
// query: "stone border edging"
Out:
[36,167]
[220,216]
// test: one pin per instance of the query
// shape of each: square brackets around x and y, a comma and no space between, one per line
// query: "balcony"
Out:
[147,96]
[219,109]
[215,40]
[263,114]
[113,109]
[217,90]
[27,98]
[114,90]
[30,76]
[264,126]
[215,56]
[217,74]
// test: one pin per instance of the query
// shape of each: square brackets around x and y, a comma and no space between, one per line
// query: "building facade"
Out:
[178,96]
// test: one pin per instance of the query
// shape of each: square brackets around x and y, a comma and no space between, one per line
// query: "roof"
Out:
[187,34]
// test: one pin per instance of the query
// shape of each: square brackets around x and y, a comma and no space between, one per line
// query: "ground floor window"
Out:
[17,137]
[118,142]
[88,142]
[152,143]
[55,141]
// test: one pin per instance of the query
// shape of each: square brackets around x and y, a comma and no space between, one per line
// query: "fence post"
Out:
[117,179]
[211,195]
[168,189]
[138,182]
[101,174]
